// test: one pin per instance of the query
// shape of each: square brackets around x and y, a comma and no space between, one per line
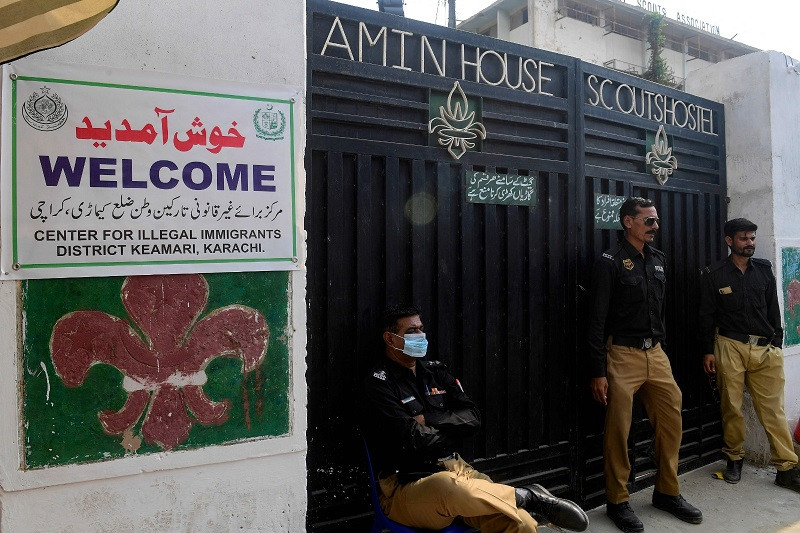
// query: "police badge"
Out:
[627,263]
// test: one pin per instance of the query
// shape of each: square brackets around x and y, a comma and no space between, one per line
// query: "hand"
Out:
[600,390]
[710,363]
[420,419]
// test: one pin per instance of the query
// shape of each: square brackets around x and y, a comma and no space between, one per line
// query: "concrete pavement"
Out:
[754,505]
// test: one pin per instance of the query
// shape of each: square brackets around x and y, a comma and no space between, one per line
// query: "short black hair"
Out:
[734,226]
[630,207]
[393,313]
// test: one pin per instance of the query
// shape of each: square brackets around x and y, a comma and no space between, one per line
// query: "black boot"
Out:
[789,479]
[733,471]
[559,512]
[624,518]
[678,507]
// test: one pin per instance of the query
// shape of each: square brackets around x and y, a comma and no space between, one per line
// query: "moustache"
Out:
[651,232]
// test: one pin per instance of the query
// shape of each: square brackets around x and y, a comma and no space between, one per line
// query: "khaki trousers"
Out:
[433,502]
[648,373]
[761,369]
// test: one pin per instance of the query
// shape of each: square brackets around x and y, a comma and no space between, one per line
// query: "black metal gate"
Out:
[502,287]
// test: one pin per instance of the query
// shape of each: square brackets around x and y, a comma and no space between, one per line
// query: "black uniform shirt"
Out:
[745,303]
[393,396]
[627,299]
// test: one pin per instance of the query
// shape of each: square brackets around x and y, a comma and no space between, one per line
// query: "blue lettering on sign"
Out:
[52,173]
[260,176]
[155,175]
[106,172]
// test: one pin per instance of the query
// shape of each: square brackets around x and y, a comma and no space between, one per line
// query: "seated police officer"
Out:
[415,415]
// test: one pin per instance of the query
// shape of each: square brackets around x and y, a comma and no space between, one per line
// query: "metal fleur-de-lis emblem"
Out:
[660,158]
[456,125]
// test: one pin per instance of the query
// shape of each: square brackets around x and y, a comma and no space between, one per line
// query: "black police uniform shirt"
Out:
[628,290]
[393,396]
[744,303]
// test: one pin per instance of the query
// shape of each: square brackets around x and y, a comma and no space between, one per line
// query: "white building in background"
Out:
[611,33]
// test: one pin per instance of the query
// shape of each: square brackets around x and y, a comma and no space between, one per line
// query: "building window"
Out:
[491,31]
[519,18]
[613,26]
[672,44]
[578,11]
[695,49]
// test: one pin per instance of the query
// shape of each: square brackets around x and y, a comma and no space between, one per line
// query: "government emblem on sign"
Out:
[44,111]
[627,263]
[269,123]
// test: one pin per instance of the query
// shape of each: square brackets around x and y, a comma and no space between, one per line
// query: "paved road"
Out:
[754,505]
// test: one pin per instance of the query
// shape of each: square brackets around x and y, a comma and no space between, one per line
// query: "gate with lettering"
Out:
[476,178]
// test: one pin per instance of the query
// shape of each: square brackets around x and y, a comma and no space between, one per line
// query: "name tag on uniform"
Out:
[659,268]
[409,399]
[726,290]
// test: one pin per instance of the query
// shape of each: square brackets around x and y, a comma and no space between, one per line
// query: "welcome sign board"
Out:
[115,172]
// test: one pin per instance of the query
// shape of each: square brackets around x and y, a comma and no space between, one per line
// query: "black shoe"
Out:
[623,517]
[789,479]
[733,471]
[678,507]
[559,512]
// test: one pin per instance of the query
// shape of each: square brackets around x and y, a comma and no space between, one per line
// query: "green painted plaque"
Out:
[790,262]
[505,189]
[455,121]
[129,366]
[606,211]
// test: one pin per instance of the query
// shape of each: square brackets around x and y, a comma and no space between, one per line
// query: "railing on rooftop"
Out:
[584,13]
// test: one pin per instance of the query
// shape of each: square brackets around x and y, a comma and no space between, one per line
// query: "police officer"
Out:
[742,334]
[625,334]
[416,413]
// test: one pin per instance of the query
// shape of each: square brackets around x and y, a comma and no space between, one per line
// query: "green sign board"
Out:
[606,211]
[128,366]
[790,262]
[506,189]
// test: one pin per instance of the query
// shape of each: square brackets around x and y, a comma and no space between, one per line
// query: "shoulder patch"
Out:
[716,266]
[762,262]
[611,252]
[380,374]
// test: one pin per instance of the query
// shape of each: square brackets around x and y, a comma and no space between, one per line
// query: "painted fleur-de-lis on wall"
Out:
[456,125]
[163,359]
[660,157]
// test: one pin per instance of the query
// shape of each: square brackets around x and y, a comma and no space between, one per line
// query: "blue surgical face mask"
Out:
[415,344]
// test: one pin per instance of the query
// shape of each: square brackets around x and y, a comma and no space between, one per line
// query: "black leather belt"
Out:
[643,343]
[747,339]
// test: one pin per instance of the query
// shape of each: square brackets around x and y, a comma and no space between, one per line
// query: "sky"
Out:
[764,24]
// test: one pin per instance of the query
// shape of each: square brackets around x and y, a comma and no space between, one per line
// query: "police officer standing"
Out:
[415,415]
[625,334]
[742,334]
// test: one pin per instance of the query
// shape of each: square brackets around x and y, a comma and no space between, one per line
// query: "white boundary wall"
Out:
[760,92]
[252,486]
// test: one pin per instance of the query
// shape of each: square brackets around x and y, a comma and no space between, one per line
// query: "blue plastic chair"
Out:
[382,521]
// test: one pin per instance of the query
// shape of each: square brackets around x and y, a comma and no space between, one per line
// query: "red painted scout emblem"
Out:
[627,263]
[164,366]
